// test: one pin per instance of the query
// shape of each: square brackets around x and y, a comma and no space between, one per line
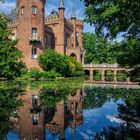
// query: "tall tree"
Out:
[115,16]
[111,17]
[98,49]
[10,65]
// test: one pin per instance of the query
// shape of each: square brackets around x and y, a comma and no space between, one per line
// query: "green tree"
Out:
[66,66]
[10,66]
[117,16]
[114,16]
[98,49]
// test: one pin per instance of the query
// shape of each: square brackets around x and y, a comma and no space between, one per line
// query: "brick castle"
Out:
[35,32]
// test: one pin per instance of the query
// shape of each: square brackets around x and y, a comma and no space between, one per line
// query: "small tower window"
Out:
[34,52]
[34,31]
[34,10]
[22,10]
[46,39]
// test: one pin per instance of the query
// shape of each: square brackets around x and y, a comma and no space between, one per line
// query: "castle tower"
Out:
[31,30]
[73,20]
[61,41]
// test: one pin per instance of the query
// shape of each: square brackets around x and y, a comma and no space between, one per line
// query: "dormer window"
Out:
[22,10]
[34,10]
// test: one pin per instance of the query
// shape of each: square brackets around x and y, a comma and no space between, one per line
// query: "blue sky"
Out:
[53,4]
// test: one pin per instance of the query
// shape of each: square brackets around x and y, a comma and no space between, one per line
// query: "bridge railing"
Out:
[100,65]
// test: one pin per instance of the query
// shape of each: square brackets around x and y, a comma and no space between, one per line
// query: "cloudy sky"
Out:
[53,4]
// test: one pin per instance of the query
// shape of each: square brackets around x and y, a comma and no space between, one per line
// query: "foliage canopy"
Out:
[99,50]
[10,65]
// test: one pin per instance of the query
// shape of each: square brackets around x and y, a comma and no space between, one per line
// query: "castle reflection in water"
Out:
[34,119]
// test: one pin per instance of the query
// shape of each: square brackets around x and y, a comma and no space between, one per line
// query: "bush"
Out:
[65,65]
[50,74]
[34,73]
[135,74]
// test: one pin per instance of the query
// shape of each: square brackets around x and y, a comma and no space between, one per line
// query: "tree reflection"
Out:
[8,106]
[128,112]
[96,97]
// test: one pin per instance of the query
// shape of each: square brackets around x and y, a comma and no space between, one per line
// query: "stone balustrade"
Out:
[100,65]
[35,38]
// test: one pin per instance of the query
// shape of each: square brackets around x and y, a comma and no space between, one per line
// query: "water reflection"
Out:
[31,117]
[9,104]
[66,114]
[69,112]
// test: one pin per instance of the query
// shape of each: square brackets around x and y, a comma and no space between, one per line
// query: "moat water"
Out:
[70,110]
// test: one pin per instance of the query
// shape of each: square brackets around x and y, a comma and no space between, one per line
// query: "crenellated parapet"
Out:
[50,19]
[79,23]
[12,24]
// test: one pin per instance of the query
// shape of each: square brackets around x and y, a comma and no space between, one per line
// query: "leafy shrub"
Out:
[34,73]
[50,74]
[121,78]
[109,77]
[65,65]
[135,74]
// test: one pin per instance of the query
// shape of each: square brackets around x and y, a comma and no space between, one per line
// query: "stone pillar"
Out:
[115,75]
[83,57]
[91,72]
[128,80]
[91,75]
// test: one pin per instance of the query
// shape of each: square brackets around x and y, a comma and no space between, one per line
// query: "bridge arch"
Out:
[87,72]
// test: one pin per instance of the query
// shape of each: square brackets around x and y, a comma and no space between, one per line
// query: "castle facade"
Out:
[35,32]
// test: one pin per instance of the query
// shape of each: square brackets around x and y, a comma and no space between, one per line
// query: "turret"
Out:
[31,29]
[61,9]
[73,15]
[61,41]
[73,20]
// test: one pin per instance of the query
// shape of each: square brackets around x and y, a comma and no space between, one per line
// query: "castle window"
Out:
[34,31]
[45,39]
[34,52]
[34,10]
[22,10]
[77,43]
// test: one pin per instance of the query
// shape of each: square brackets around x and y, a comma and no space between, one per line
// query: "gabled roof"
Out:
[13,15]
[53,14]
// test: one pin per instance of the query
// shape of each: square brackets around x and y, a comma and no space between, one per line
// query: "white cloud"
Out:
[114,119]
[6,7]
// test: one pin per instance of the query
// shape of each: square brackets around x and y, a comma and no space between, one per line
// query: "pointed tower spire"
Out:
[61,4]
[73,15]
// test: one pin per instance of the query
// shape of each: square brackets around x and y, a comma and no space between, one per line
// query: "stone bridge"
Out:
[91,68]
